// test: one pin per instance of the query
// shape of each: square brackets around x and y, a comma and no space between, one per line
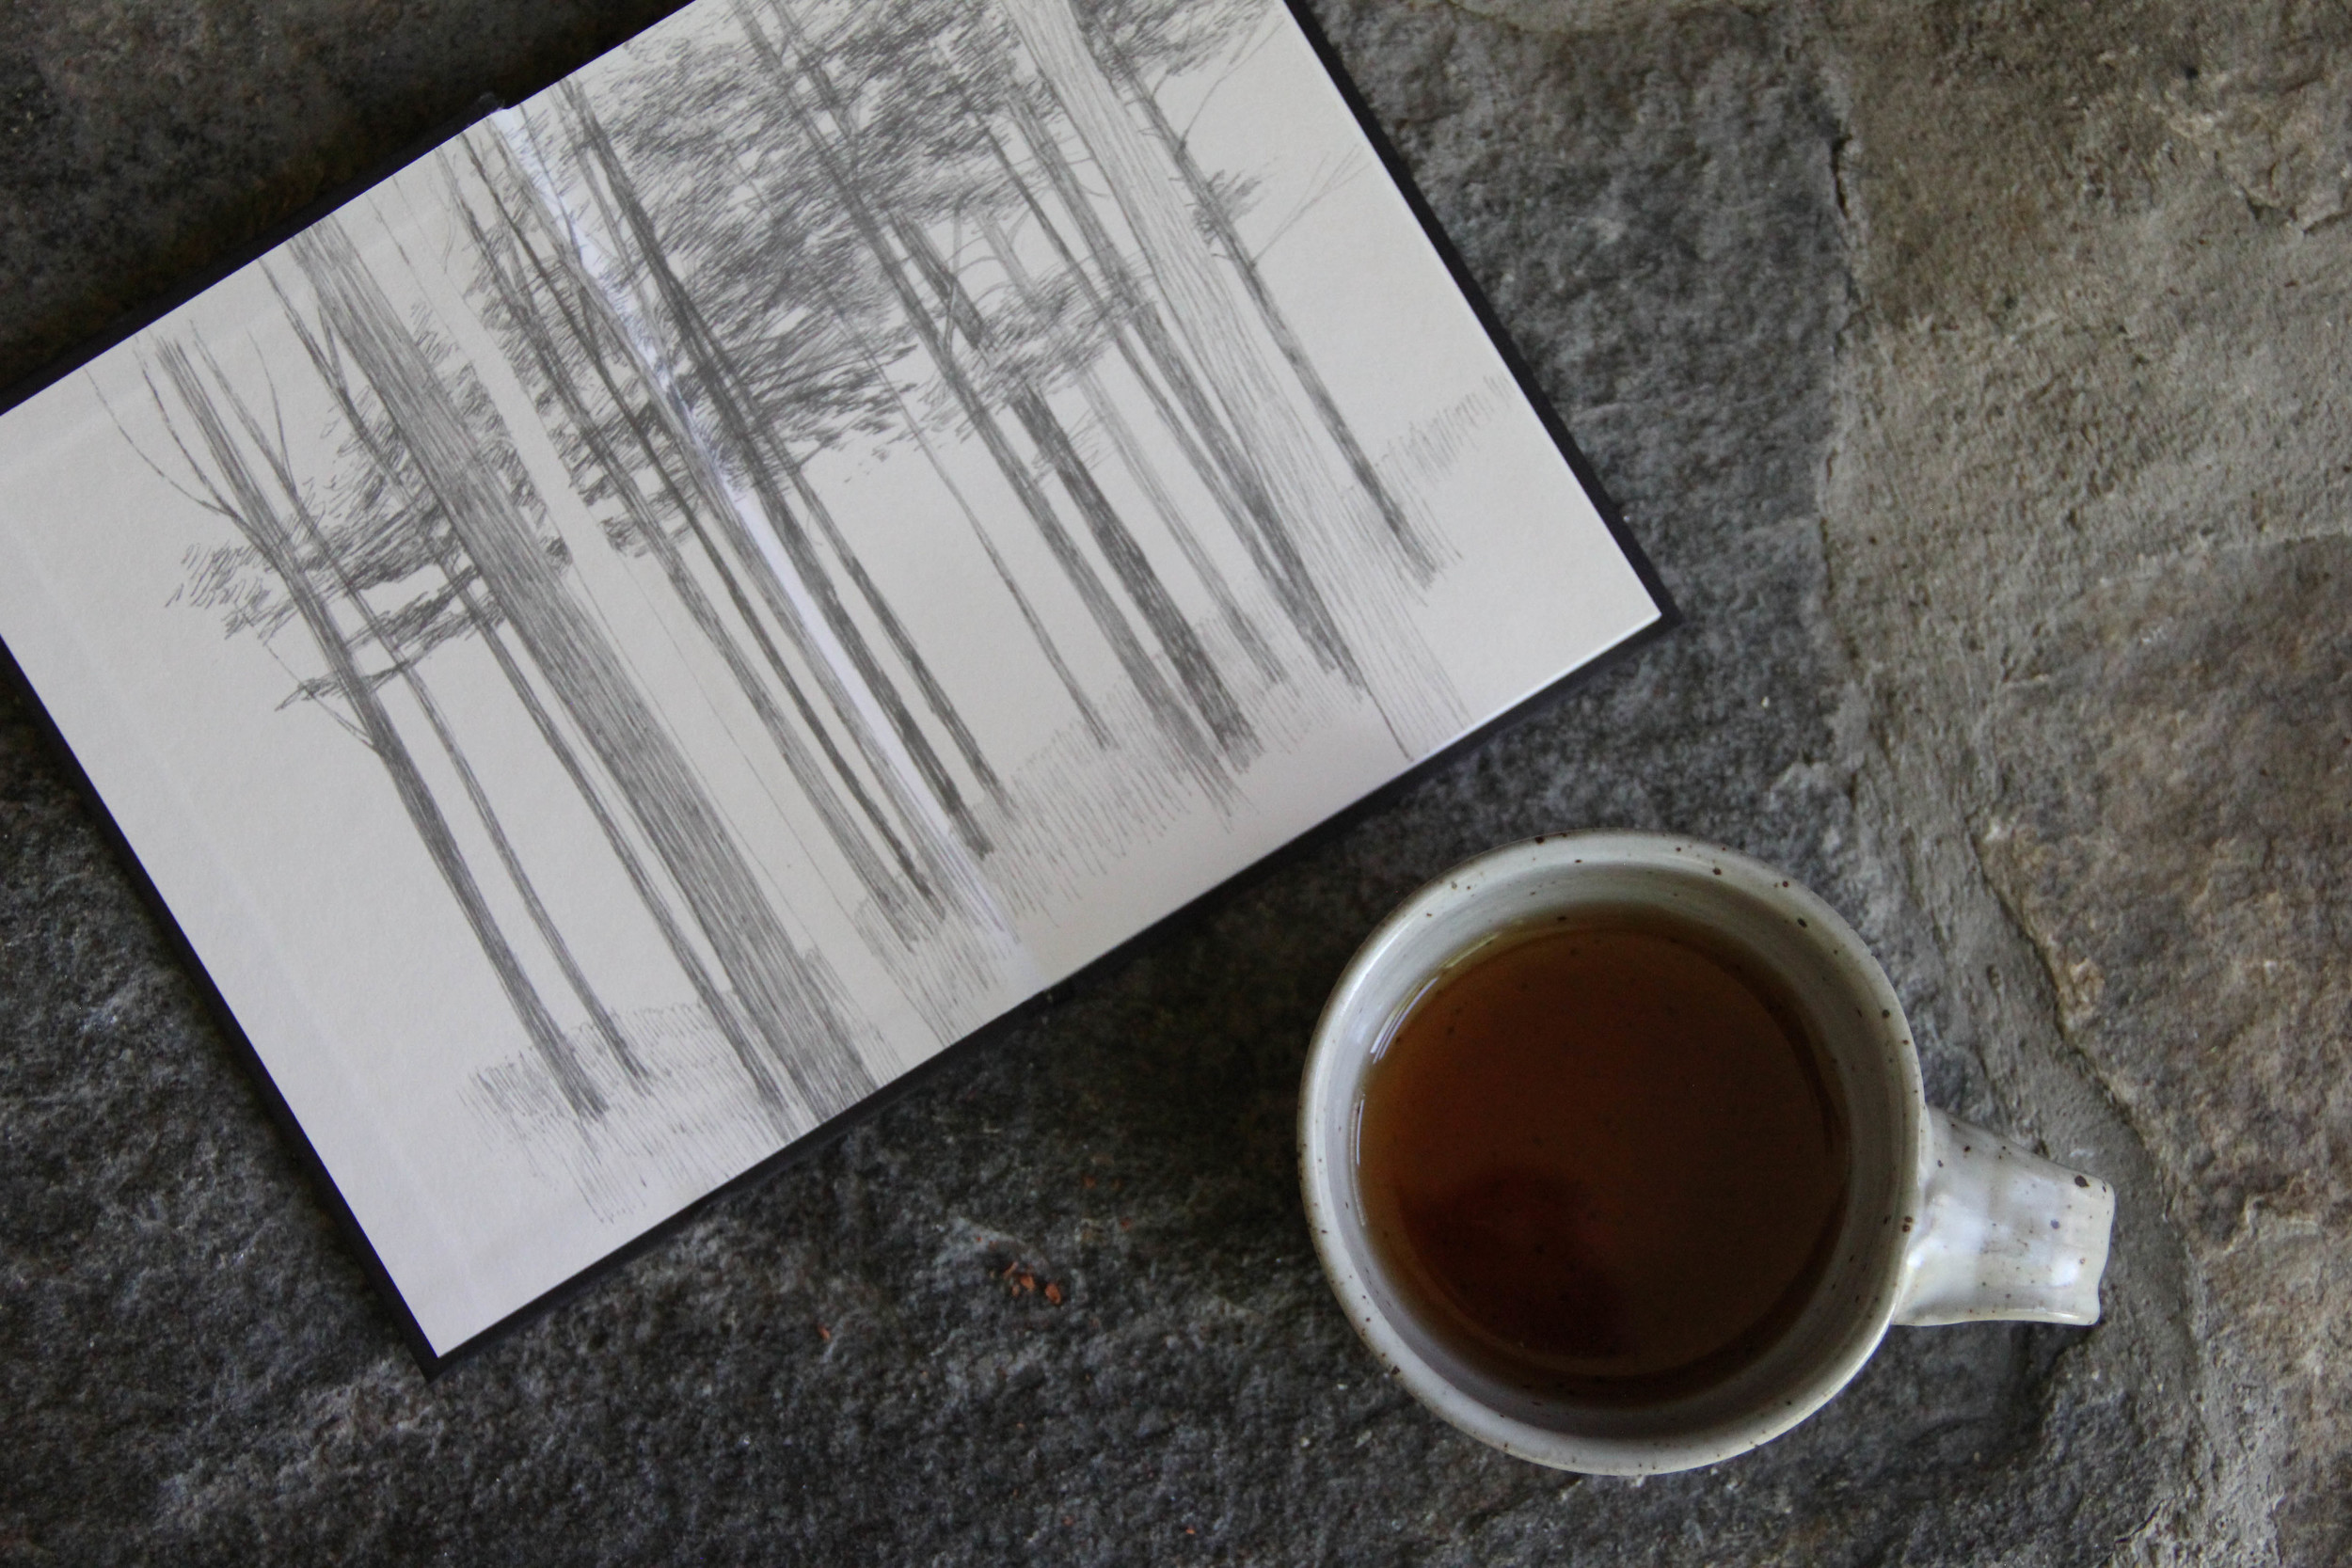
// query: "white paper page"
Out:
[734,574]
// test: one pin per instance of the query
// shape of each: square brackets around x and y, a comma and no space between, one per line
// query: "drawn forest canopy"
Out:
[725,578]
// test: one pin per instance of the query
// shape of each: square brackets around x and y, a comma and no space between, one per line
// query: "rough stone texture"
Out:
[2086,526]
[1973,373]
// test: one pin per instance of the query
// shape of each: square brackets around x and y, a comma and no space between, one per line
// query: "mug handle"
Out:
[2002,1234]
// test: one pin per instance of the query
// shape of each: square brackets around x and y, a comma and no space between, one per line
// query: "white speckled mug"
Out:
[1943,1222]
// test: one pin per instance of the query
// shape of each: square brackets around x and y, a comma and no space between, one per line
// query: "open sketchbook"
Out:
[720,580]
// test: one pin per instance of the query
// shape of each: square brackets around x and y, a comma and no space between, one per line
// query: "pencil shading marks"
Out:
[682,1125]
[1425,455]
[1073,822]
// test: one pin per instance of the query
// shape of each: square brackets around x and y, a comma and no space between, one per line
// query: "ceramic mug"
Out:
[1944,1223]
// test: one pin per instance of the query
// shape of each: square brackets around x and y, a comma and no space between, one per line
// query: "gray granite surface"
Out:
[1974,373]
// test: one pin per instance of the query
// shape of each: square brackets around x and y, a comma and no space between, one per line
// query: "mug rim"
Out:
[1331,1068]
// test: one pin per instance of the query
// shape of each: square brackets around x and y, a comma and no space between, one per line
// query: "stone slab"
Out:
[1973,378]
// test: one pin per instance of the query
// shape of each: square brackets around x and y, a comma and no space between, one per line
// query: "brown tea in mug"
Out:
[1605,1154]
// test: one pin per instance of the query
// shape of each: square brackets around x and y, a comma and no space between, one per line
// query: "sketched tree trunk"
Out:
[1226,464]
[1214,212]
[237,494]
[1168,710]
[1115,303]
[894,631]
[481,622]
[1212,699]
[1413,696]
[1027,394]
[1112,420]
[652,426]
[715,378]
[785,996]
[402,663]
[912,423]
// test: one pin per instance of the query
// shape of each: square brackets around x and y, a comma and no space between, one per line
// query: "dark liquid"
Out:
[1605,1155]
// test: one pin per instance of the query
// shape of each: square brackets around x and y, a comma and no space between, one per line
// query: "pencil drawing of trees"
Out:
[658,330]
[787,1001]
[636,428]
[395,505]
[224,473]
